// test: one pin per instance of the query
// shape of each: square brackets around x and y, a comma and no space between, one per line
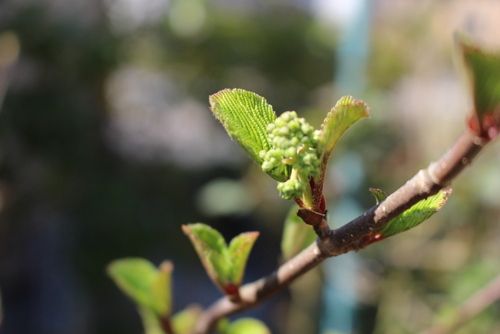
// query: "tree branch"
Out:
[354,235]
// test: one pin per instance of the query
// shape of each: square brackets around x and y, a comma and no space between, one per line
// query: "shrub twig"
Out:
[358,233]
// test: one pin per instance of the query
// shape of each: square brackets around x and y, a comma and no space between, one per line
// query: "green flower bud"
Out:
[294,143]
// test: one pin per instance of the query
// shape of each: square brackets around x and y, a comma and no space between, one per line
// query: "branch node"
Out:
[317,220]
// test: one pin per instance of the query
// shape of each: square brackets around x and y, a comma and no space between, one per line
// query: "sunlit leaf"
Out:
[417,214]
[184,321]
[239,249]
[212,250]
[247,326]
[296,234]
[147,286]
[346,112]
[482,69]
[225,265]
[245,116]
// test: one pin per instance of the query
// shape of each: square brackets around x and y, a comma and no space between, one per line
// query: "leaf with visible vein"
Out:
[417,214]
[245,116]
[346,112]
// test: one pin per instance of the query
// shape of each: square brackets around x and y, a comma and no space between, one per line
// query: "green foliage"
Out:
[346,112]
[147,286]
[150,289]
[224,264]
[184,321]
[294,145]
[288,148]
[245,326]
[378,194]
[483,73]
[245,116]
[296,234]
[417,214]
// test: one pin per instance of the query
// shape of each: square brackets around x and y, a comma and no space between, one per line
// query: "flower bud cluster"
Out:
[294,143]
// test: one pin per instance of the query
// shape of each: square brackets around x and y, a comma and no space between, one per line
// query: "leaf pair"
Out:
[246,117]
[225,264]
[150,288]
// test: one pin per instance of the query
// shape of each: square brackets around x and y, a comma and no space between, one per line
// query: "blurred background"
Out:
[107,146]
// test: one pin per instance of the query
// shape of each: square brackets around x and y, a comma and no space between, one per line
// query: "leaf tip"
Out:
[252,234]
[186,228]
[446,193]
[167,267]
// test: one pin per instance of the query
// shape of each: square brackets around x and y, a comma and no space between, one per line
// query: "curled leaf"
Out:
[239,249]
[378,194]
[346,112]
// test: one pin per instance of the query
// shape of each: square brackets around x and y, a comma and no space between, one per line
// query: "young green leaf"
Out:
[239,249]
[245,116]
[378,194]
[212,250]
[224,265]
[247,326]
[184,322]
[482,70]
[296,234]
[417,214]
[147,286]
[346,112]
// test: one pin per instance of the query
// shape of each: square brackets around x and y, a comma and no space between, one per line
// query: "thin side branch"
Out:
[477,303]
[253,293]
[359,233]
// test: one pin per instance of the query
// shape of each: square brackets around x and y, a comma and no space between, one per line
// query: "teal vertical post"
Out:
[340,295]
